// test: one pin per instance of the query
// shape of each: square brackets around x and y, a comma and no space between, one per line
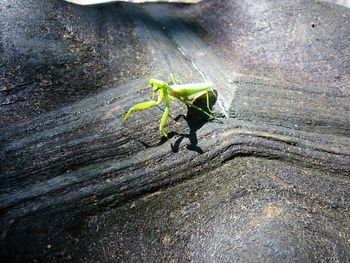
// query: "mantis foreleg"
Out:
[163,122]
[165,115]
[145,105]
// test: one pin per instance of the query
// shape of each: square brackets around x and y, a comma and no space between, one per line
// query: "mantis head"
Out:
[154,84]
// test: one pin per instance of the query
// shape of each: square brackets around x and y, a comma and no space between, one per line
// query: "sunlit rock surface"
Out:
[91,2]
[268,182]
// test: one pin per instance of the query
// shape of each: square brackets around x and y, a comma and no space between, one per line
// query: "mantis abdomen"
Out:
[187,90]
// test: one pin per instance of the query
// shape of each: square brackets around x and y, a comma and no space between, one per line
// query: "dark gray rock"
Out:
[267,183]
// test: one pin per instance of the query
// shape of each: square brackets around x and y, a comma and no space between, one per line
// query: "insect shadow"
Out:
[195,119]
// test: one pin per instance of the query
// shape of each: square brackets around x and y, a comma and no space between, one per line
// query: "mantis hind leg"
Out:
[208,102]
[198,108]
[207,99]
[201,110]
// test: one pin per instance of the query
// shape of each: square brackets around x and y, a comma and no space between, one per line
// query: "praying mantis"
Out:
[186,93]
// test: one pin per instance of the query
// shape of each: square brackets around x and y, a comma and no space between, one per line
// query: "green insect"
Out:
[186,93]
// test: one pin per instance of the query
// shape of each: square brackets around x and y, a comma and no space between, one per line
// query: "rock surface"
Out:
[269,182]
[93,2]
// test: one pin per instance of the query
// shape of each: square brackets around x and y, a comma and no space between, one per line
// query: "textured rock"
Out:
[269,182]
[92,2]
